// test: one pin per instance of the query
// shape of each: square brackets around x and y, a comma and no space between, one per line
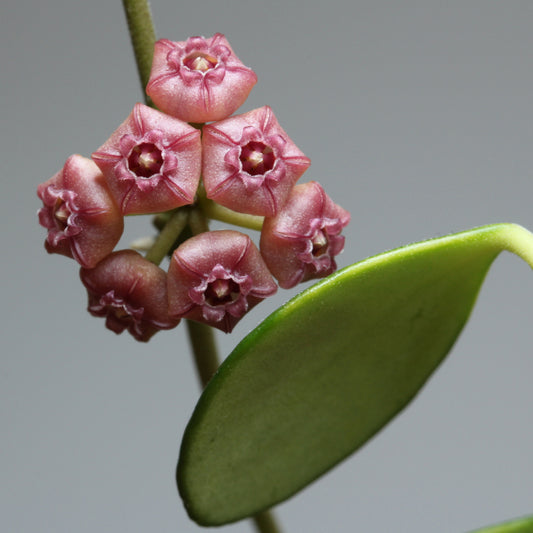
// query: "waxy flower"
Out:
[250,164]
[130,292]
[216,277]
[81,216]
[302,240]
[198,80]
[152,162]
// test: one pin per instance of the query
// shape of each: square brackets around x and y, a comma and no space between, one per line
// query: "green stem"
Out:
[218,212]
[198,221]
[201,336]
[203,343]
[265,522]
[142,36]
[167,236]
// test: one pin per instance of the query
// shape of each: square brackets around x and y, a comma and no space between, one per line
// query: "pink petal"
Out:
[198,80]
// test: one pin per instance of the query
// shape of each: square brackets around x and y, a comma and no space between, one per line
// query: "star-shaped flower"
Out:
[216,277]
[82,219]
[198,80]
[152,162]
[130,293]
[250,164]
[302,240]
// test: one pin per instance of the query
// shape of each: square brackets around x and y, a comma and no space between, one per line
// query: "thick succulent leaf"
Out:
[519,525]
[329,369]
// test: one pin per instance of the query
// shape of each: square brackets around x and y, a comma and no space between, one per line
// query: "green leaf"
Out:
[519,525]
[329,369]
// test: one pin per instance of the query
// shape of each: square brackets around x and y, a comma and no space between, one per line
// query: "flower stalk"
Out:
[223,214]
[168,235]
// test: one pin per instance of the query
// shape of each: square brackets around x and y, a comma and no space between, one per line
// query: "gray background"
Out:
[418,118]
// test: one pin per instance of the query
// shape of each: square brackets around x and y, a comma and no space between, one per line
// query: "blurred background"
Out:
[418,118]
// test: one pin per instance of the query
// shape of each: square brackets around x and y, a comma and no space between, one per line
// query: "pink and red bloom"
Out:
[130,293]
[198,80]
[216,277]
[302,240]
[81,217]
[250,164]
[152,162]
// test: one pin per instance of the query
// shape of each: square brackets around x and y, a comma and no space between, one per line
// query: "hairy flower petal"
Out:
[82,219]
[250,164]
[302,240]
[198,80]
[216,277]
[152,162]
[130,293]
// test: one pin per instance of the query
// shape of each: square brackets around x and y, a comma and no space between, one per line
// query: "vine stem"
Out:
[201,336]
[142,34]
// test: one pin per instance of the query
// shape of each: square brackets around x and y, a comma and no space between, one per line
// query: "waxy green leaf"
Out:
[329,369]
[518,525]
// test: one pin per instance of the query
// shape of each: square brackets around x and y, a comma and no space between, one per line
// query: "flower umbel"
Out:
[302,240]
[151,162]
[198,80]
[249,163]
[216,277]
[81,217]
[130,292]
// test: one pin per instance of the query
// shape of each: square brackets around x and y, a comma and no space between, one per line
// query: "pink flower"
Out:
[302,240]
[151,162]
[249,163]
[198,80]
[130,292]
[216,277]
[81,216]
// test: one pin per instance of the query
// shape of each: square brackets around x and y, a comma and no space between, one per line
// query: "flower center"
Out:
[119,312]
[61,213]
[145,160]
[257,158]
[320,243]
[222,291]
[200,61]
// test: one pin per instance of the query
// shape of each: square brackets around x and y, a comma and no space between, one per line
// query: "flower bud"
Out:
[216,277]
[198,80]
[130,292]
[152,162]
[81,217]
[302,240]
[250,164]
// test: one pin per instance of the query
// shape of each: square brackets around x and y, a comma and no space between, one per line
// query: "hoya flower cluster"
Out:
[161,160]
